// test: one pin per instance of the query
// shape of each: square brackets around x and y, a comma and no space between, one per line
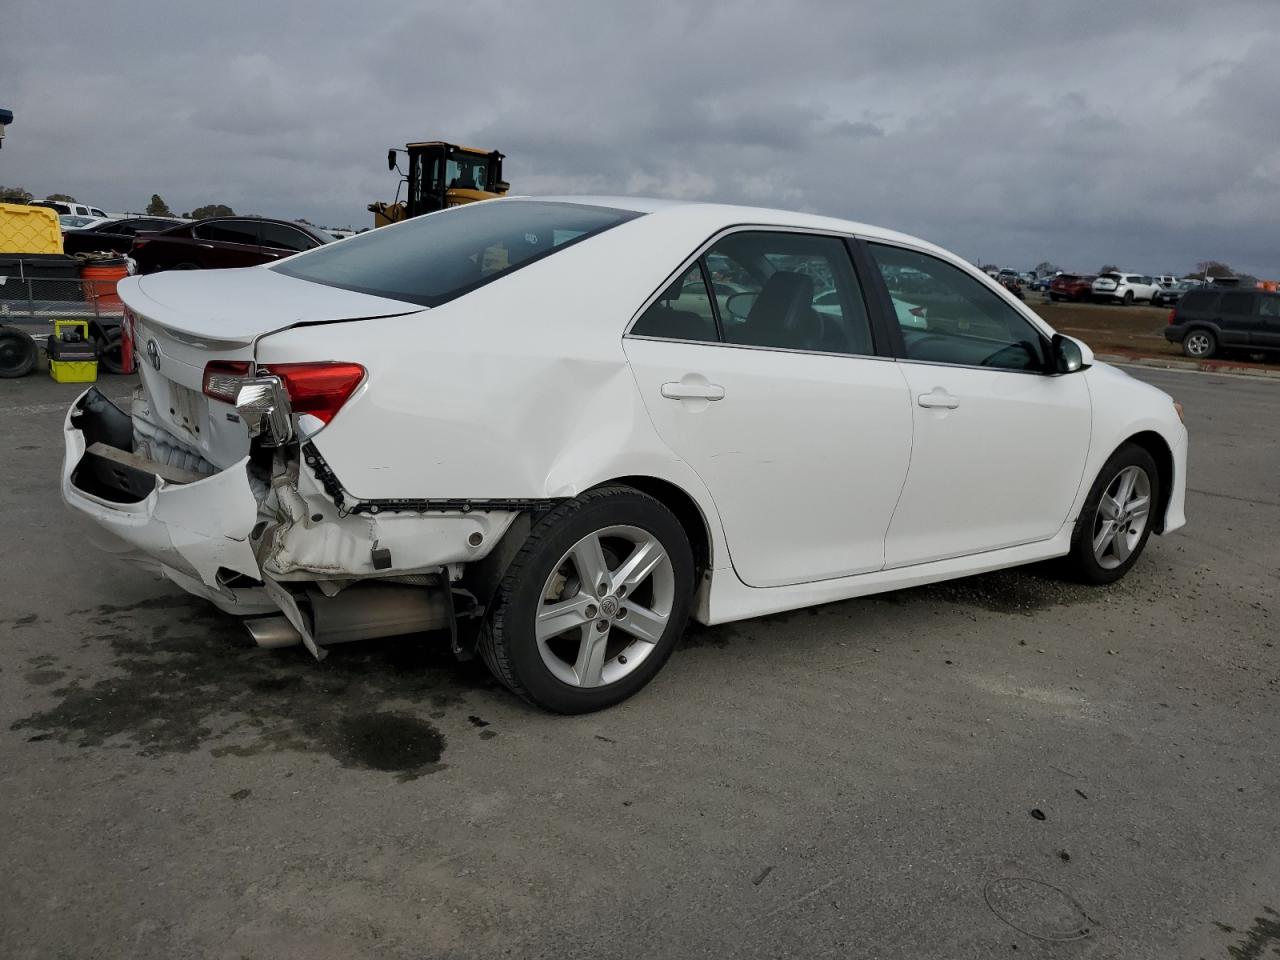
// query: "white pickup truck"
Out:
[71,207]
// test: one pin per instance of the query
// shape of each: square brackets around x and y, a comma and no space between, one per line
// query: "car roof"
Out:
[720,215]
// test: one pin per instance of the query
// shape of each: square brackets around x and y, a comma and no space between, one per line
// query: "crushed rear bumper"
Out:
[193,531]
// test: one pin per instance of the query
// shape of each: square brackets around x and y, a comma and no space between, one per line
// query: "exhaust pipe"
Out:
[272,633]
[362,612]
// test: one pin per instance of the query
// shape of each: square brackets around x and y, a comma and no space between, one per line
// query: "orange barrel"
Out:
[99,278]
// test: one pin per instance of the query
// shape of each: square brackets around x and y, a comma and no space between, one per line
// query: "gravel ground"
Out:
[1004,763]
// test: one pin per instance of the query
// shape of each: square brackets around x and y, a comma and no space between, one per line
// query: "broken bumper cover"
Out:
[247,543]
[196,533]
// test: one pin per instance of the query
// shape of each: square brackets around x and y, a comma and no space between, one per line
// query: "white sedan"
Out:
[535,424]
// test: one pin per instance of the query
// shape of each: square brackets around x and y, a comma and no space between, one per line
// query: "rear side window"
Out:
[790,291]
[682,312]
[436,258]
[229,231]
[1236,305]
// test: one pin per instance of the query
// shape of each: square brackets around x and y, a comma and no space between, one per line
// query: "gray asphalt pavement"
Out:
[1006,763]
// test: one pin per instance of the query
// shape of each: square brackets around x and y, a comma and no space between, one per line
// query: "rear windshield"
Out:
[433,259]
[1110,276]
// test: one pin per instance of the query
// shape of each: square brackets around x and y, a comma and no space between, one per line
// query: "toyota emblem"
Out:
[154,353]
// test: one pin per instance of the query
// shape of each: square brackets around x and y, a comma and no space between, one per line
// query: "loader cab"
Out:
[443,175]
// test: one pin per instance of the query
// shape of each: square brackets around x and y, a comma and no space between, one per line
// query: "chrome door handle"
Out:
[938,398]
[680,390]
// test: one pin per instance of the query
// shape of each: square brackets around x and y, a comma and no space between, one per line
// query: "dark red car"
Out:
[1072,286]
[224,242]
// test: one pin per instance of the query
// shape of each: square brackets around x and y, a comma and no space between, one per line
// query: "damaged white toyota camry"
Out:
[559,428]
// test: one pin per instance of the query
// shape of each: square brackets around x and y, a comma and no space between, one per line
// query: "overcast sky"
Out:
[1144,134]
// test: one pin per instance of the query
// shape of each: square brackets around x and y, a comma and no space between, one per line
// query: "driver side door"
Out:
[999,444]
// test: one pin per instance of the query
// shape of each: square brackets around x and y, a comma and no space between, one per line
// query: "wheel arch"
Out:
[685,508]
[1156,445]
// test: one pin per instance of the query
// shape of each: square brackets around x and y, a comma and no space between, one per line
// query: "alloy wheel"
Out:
[605,606]
[1197,344]
[1122,517]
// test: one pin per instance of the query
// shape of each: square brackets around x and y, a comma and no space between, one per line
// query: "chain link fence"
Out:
[29,305]
[38,300]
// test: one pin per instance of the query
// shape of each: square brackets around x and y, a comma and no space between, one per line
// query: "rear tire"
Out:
[1128,298]
[1199,344]
[18,353]
[1054,297]
[111,352]
[596,660]
[1115,522]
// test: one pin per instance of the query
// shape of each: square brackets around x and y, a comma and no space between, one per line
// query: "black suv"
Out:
[1207,321]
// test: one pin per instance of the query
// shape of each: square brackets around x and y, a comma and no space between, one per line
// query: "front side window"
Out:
[682,312]
[436,258]
[789,291]
[947,316]
[279,236]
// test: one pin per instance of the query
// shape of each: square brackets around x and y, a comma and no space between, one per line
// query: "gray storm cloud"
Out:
[1141,134]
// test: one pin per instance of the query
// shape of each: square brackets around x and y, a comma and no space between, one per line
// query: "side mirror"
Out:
[1069,354]
[501,186]
[391,159]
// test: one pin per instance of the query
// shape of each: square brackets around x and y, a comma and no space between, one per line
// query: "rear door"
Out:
[999,445]
[1268,331]
[772,391]
[228,243]
[1238,317]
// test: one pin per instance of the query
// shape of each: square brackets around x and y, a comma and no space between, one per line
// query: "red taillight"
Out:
[1173,316]
[139,243]
[319,389]
[222,379]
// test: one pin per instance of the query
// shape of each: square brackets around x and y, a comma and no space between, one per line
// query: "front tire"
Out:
[1115,522]
[593,604]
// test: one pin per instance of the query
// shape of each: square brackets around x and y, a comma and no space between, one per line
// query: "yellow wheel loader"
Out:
[440,175]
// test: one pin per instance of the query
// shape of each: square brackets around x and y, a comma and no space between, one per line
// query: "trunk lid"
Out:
[183,319]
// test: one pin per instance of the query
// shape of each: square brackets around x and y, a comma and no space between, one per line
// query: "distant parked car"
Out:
[1013,285]
[1125,288]
[1172,293]
[112,235]
[76,221]
[1207,320]
[224,242]
[1071,286]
